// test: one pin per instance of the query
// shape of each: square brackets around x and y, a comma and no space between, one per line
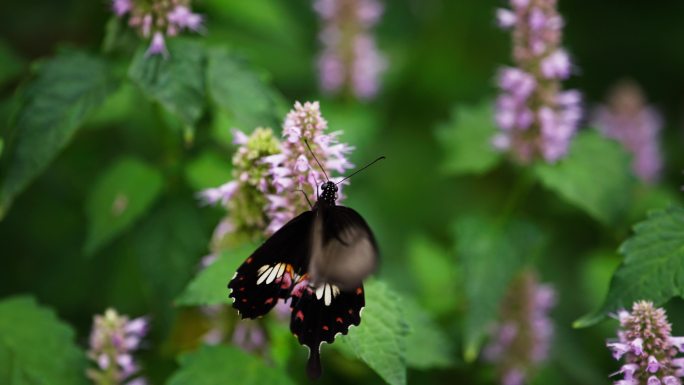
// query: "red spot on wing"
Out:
[242,289]
[269,301]
[359,291]
[326,328]
[350,311]
[300,315]
[244,300]
[339,319]
[249,260]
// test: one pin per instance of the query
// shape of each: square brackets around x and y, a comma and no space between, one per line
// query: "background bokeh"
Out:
[442,54]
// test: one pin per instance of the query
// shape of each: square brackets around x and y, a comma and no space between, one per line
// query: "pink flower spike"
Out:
[645,345]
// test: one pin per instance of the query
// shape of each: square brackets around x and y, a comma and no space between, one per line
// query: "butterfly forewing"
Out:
[271,271]
[343,248]
[320,313]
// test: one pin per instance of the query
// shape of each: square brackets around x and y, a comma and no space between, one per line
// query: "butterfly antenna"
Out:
[316,159]
[361,169]
[306,197]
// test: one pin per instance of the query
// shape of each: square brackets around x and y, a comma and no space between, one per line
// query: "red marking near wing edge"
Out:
[249,260]
[269,301]
[359,291]
[326,328]
[339,319]
[300,315]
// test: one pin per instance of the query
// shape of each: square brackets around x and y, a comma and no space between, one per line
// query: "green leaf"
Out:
[653,268]
[209,287]
[595,177]
[491,254]
[236,88]
[467,140]
[220,365]
[380,339]
[36,347]
[11,64]
[53,106]
[177,82]
[436,276]
[209,169]
[169,246]
[429,346]
[119,197]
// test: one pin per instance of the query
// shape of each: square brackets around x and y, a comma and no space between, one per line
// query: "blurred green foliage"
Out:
[103,149]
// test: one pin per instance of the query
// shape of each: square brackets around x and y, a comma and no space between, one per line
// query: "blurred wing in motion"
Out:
[343,248]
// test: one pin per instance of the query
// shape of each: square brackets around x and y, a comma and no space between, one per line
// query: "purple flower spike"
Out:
[537,118]
[158,20]
[629,120]
[296,168]
[110,351]
[646,346]
[520,341]
[349,59]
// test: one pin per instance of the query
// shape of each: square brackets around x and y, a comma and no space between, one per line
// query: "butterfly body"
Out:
[318,260]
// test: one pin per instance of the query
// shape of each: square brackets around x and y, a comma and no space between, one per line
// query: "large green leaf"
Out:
[36,347]
[52,107]
[436,276]
[380,339]
[169,246]
[119,197]
[209,287]
[428,346]
[177,82]
[221,365]
[466,140]
[653,268]
[491,254]
[595,176]
[236,88]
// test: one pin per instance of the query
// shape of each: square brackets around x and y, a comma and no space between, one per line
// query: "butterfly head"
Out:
[329,193]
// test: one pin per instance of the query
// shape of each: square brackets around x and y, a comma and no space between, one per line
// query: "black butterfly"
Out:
[319,260]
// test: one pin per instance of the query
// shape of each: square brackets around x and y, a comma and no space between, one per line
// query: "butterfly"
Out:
[318,260]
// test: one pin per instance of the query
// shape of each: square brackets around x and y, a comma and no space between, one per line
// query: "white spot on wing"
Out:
[328,295]
[319,291]
[268,274]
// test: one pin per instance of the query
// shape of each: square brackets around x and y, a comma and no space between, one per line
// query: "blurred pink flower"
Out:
[113,339]
[520,341]
[537,119]
[629,120]
[158,19]
[349,57]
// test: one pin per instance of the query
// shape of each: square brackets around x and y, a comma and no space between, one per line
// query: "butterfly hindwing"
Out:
[320,313]
[343,248]
[269,273]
